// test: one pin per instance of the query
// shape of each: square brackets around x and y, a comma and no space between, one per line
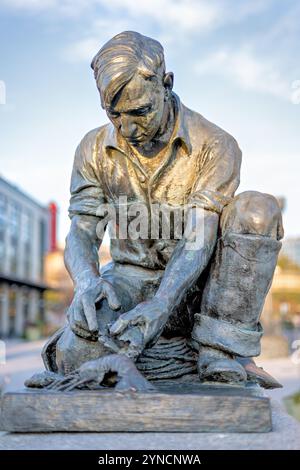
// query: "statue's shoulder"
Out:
[202,131]
[87,149]
[94,137]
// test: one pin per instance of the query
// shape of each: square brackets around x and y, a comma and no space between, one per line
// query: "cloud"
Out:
[81,50]
[246,69]
[51,8]
[186,17]
[171,20]
[85,48]
[186,21]
[31,5]
[186,14]
[266,62]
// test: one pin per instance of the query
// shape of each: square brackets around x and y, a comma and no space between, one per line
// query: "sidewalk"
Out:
[23,359]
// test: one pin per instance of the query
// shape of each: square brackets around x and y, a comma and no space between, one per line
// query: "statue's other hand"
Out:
[140,326]
[82,311]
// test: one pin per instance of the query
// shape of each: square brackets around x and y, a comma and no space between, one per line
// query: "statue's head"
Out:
[133,85]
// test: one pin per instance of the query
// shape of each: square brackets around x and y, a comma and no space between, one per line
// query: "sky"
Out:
[235,61]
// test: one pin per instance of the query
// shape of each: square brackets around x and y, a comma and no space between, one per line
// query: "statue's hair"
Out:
[121,58]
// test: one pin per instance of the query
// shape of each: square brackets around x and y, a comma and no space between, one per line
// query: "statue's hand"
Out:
[140,326]
[82,311]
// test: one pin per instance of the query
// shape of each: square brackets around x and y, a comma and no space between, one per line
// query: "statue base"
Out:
[174,407]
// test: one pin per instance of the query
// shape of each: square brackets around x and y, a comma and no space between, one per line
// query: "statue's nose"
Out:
[128,128]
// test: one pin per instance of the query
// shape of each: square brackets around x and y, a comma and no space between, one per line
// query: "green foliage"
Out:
[296,398]
[286,264]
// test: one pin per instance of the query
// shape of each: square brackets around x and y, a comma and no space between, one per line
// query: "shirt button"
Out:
[142,178]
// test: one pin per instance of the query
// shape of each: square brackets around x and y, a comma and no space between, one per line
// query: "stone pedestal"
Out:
[187,407]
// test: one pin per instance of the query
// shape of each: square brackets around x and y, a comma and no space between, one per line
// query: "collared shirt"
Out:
[200,166]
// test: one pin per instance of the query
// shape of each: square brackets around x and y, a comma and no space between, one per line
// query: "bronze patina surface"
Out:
[192,262]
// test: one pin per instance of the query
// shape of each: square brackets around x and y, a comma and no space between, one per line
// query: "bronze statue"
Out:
[171,309]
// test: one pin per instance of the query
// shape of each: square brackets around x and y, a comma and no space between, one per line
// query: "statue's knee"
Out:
[255,213]
[65,349]
[72,351]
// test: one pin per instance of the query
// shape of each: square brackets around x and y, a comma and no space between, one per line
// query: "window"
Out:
[12,310]
[3,207]
[43,234]
[14,230]
[14,219]
[27,240]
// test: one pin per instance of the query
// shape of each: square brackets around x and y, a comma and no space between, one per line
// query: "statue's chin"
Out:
[138,142]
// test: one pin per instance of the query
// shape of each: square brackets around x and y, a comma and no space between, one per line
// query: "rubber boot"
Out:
[239,279]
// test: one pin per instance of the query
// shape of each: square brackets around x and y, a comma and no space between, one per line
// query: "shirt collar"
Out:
[113,138]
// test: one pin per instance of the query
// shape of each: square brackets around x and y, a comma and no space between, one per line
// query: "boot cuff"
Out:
[226,336]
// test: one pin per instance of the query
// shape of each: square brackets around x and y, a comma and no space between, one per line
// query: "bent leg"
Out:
[132,285]
[240,276]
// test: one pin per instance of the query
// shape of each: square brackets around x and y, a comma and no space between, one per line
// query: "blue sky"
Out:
[235,61]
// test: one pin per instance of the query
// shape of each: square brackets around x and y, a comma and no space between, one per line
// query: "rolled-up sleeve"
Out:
[219,175]
[86,191]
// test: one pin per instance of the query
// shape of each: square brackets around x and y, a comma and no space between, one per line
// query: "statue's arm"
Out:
[81,251]
[189,258]
[83,242]
[216,185]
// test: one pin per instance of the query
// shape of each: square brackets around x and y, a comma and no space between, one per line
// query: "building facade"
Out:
[291,249]
[24,240]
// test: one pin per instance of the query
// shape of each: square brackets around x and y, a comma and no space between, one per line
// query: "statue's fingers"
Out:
[77,320]
[112,297]
[137,320]
[75,384]
[53,384]
[68,380]
[130,318]
[69,387]
[64,386]
[90,313]
[134,350]
[86,334]
[118,326]
[58,382]
[100,296]
[76,381]
[78,316]
[134,336]
[151,329]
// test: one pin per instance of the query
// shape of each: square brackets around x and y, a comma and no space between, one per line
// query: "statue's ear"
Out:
[168,80]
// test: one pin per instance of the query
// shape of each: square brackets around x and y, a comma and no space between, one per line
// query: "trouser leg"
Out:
[240,276]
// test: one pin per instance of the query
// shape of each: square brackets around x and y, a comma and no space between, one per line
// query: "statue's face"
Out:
[137,110]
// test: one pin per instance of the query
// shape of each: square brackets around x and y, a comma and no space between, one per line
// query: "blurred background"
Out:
[235,61]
